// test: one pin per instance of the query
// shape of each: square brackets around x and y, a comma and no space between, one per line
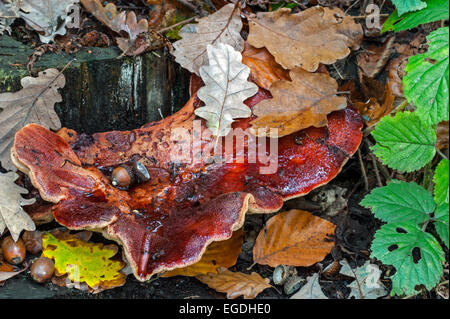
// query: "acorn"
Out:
[42,269]
[141,173]
[122,176]
[33,241]
[13,252]
[126,175]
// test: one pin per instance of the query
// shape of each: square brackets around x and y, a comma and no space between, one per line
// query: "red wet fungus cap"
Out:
[168,221]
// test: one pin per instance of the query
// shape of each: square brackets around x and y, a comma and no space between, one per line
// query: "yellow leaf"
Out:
[83,261]
[294,238]
[218,254]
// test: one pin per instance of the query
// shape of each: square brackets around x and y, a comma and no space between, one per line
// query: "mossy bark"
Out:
[103,93]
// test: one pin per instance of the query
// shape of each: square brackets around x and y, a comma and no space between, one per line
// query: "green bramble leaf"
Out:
[436,10]
[404,6]
[441,222]
[400,202]
[404,142]
[427,79]
[440,178]
[415,254]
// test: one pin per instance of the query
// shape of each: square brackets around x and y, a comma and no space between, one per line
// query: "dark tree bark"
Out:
[103,93]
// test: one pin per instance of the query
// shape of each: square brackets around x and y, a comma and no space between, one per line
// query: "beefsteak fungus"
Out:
[168,221]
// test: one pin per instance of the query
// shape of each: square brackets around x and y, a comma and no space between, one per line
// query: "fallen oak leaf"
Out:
[83,262]
[8,13]
[264,70]
[223,26]
[46,16]
[226,88]
[236,284]
[33,103]
[119,22]
[305,39]
[303,102]
[219,254]
[12,215]
[294,238]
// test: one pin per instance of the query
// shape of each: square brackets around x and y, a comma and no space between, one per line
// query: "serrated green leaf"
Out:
[441,222]
[426,81]
[404,6]
[394,244]
[436,10]
[440,178]
[400,202]
[404,142]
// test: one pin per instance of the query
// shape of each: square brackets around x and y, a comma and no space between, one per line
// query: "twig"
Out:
[375,165]
[441,154]
[363,171]
[365,16]
[177,24]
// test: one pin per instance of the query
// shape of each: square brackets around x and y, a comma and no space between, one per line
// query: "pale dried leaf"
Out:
[8,13]
[48,16]
[12,216]
[367,284]
[226,88]
[33,104]
[311,290]
[296,105]
[224,26]
[305,39]
[236,284]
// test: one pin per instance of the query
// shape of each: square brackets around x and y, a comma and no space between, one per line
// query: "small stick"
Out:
[441,154]
[375,166]
[363,171]
[177,24]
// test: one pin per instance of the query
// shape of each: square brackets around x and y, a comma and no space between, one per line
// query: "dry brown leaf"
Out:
[396,72]
[12,215]
[299,104]
[442,135]
[305,39]
[218,254]
[236,284]
[372,60]
[373,110]
[264,70]
[7,271]
[294,238]
[33,104]
[223,26]
[118,22]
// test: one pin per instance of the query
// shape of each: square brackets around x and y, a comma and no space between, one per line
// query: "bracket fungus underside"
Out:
[168,221]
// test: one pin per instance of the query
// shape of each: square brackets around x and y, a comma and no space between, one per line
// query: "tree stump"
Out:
[103,93]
